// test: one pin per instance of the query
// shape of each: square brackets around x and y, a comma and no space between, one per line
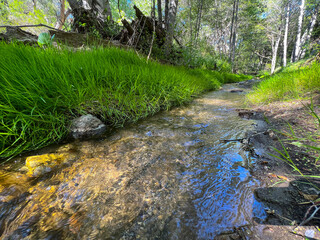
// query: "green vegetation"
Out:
[287,85]
[42,90]
[307,143]
[294,82]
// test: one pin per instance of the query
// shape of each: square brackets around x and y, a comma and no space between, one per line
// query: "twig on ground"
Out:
[305,219]
[272,212]
[232,140]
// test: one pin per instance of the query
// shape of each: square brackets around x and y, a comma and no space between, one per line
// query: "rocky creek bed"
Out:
[196,172]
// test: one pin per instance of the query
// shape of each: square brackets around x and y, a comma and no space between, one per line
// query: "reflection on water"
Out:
[167,177]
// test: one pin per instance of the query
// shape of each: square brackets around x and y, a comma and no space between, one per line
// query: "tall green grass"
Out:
[287,85]
[43,90]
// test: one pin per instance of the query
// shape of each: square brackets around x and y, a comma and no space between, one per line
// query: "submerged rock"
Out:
[87,126]
[236,90]
[41,164]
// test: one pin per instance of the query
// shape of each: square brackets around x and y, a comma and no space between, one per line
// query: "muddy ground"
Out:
[288,197]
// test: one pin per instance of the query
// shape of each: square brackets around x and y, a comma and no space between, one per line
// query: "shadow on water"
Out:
[171,176]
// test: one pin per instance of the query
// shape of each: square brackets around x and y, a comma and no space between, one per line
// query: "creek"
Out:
[170,176]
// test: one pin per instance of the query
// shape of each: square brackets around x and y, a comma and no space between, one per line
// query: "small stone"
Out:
[236,90]
[87,126]
[309,233]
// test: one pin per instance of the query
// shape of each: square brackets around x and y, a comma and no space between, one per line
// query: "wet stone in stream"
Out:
[167,177]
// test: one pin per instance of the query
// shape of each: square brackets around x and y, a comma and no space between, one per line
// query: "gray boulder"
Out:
[87,126]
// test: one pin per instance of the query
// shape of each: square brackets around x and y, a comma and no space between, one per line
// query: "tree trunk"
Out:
[234,35]
[160,12]
[63,15]
[190,21]
[170,27]
[307,35]
[153,9]
[74,4]
[298,42]
[198,22]
[166,14]
[108,11]
[89,15]
[285,40]
[275,47]
[232,25]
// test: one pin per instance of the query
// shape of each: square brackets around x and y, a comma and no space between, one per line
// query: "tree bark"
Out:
[160,12]
[307,35]
[90,14]
[198,22]
[170,26]
[108,11]
[285,40]
[166,14]
[298,41]
[275,47]
[234,35]
[232,25]
[63,15]
[190,21]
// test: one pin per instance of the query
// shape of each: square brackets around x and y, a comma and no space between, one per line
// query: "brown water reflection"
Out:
[167,177]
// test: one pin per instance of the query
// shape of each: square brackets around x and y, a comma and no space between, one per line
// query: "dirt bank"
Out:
[288,198]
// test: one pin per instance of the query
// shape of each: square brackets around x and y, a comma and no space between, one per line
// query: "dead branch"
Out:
[175,38]
[232,140]
[259,55]
[306,220]
[36,25]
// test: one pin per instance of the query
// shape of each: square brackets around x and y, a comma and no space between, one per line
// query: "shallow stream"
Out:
[170,176]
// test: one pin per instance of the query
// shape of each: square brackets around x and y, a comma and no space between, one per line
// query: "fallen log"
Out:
[14,33]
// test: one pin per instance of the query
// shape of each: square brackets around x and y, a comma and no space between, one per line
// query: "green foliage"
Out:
[233,78]
[19,12]
[196,58]
[287,85]
[45,39]
[43,89]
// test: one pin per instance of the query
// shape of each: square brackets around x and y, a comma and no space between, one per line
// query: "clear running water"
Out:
[167,177]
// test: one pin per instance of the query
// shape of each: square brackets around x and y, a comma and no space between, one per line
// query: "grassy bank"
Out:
[299,137]
[43,90]
[287,85]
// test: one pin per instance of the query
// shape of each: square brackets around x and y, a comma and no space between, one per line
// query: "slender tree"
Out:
[166,14]
[285,39]
[159,12]
[170,25]
[198,21]
[233,35]
[63,15]
[308,32]
[298,39]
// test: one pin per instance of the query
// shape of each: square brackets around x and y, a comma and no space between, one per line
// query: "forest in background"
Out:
[250,37]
